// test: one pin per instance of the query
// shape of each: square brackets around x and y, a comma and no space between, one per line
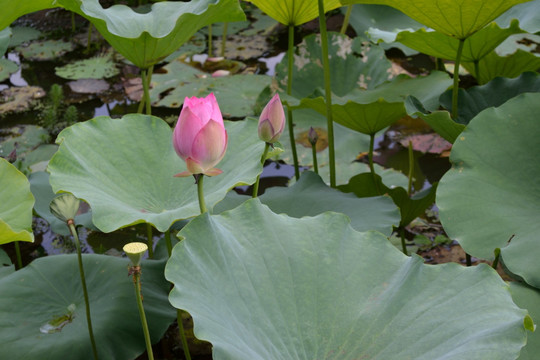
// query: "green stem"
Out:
[496,261]
[456,80]
[468,260]
[328,91]
[314,153]
[263,159]
[168,242]
[89,39]
[18,255]
[290,54]
[224,39]
[146,75]
[182,334]
[477,70]
[210,40]
[346,20]
[411,169]
[137,284]
[202,204]
[403,245]
[150,238]
[370,162]
[73,231]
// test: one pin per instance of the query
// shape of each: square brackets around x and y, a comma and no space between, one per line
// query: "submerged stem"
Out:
[168,242]
[403,245]
[18,254]
[370,162]
[73,231]
[328,92]
[137,284]
[455,89]
[146,76]
[182,334]
[346,20]
[263,159]
[290,54]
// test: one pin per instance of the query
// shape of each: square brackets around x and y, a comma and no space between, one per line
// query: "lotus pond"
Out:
[269,179]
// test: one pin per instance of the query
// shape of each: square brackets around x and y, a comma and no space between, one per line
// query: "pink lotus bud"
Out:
[272,121]
[221,73]
[199,137]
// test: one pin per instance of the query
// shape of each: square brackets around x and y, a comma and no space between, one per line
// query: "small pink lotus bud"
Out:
[272,121]
[199,137]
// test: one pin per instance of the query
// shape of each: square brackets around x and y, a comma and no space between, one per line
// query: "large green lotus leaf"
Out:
[124,168]
[348,144]
[459,19]
[528,298]
[310,196]
[40,187]
[443,46]
[266,286]
[495,93]
[527,13]
[493,65]
[12,10]
[99,67]
[352,65]
[370,111]
[492,192]
[365,118]
[42,292]
[236,94]
[145,39]
[294,12]
[16,202]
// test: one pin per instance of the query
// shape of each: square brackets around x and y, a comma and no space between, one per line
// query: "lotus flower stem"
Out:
[346,20]
[210,40]
[328,91]
[455,89]
[199,181]
[73,231]
[18,254]
[468,260]
[150,238]
[224,39]
[290,54]
[136,271]
[263,159]
[411,169]
[314,152]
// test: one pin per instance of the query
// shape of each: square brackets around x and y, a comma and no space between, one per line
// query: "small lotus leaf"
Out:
[19,99]
[5,36]
[16,202]
[45,50]
[49,289]
[145,39]
[495,93]
[99,67]
[266,286]
[124,168]
[22,34]
[459,19]
[310,196]
[490,197]
[7,67]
